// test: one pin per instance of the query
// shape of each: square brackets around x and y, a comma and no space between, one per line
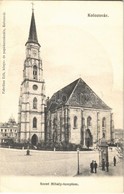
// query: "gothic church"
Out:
[74,114]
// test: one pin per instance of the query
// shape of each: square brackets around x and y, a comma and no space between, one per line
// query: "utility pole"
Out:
[78,160]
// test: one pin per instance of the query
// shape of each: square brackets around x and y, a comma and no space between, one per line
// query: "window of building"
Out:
[34,72]
[104,122]
[1,130]
[5,130]
[103,135]
[75,121]
[10,130]
[34,122]
[89,121]
[35,103]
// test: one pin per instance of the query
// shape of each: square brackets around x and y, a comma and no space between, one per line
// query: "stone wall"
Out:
[74,132]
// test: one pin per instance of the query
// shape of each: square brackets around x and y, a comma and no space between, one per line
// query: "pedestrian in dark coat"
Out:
[114,160]
[95,166]
[103,164]
[107,166]
[91,166]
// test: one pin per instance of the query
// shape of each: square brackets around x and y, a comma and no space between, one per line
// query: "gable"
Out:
[78,93]
[84,96]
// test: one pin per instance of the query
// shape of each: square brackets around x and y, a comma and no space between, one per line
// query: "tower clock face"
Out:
[35,87]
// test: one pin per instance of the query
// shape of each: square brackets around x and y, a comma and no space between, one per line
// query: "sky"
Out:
[73,45]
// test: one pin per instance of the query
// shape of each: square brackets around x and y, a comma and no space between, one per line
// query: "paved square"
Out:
[52,163]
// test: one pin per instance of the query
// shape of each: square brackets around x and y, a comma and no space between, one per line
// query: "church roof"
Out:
[32,31]
[77,94]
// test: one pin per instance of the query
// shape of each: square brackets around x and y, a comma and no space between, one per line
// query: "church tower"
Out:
[32,94]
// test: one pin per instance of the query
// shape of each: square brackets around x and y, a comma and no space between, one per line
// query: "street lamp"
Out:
[78,160]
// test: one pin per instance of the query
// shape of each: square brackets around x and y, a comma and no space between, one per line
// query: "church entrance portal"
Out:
[88,138]
[34,140]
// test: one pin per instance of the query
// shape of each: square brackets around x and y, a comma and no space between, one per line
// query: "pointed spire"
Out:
[32,32]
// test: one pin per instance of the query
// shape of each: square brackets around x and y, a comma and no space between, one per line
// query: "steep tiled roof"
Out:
[61,97]
[78,93]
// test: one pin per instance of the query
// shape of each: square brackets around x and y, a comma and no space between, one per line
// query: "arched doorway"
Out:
[88,138]
[34,140]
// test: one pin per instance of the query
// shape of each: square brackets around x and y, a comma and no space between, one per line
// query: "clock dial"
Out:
[35,87]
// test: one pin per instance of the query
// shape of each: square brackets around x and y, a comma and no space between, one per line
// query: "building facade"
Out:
[119,135]
[75,114]
[32,94]
[8,131]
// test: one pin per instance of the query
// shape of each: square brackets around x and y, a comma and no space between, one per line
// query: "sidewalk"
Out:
[117,170]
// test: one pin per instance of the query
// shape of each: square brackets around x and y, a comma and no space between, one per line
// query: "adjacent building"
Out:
[8,131]
[119,135]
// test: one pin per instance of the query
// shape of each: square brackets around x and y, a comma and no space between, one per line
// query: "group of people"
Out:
[105,165]
[93,166]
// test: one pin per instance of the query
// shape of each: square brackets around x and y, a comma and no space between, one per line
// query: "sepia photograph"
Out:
[61,96]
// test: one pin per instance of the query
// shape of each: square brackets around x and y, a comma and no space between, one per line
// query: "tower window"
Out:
[34,122]
[75,122]
[103,135]
[35,103]
[34,72]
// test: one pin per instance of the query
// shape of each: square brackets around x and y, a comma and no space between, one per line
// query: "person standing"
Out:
[95,166]
[114,160]
[107,166]
[103,164]
[91,166]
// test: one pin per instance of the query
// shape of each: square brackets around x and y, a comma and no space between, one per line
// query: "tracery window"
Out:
[104,122]
[75,121]
[89,121]
[34,122]
[34,72]
[35,103]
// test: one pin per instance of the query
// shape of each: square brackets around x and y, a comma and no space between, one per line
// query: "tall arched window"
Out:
[89,121]
[34,122]
[54,123]
[34,72]
[35,103]
[104,122]
[75,122]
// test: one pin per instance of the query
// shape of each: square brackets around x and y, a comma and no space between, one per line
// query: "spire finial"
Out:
[80,75]
[32,31]
[32,6]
